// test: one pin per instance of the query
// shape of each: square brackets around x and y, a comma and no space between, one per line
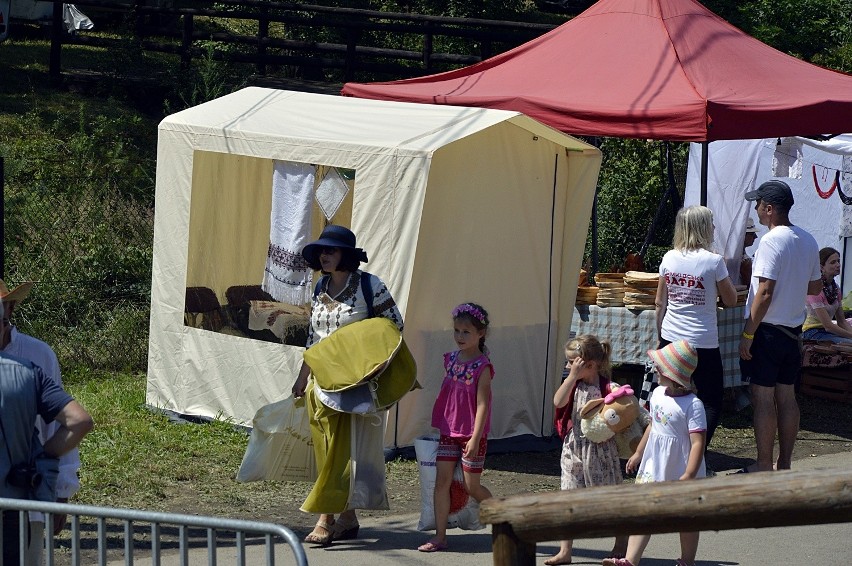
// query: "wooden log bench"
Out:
[744,501]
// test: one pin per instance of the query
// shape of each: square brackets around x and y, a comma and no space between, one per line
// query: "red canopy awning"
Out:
[659,69]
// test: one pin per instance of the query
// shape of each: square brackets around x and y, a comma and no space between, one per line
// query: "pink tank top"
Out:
[454,412]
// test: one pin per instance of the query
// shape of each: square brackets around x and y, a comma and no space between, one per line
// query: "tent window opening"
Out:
[245,273]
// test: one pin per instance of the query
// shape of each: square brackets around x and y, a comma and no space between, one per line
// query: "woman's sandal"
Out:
[323,540]
[345,530]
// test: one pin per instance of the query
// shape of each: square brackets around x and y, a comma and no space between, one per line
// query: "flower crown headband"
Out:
[471,310]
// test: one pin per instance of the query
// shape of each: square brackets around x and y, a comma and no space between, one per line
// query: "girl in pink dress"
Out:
[462,414]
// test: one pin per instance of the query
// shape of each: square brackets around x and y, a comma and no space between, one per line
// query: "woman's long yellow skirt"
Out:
[349,451]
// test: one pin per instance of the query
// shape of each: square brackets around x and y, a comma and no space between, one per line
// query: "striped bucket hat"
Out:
[676,361]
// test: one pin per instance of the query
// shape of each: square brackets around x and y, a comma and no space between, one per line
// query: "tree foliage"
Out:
[818,31]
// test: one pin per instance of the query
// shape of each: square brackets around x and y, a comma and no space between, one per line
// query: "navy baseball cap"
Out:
[773,192]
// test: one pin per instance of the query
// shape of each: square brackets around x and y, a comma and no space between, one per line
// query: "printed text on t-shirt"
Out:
[686,288]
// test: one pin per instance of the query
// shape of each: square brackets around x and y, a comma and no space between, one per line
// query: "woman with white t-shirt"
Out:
[691,277]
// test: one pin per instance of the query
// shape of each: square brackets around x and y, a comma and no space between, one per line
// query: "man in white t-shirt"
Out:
[785,269]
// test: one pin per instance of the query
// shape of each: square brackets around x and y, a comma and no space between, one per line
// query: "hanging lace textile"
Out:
[287,276]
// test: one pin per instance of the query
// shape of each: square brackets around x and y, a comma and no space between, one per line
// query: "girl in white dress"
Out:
[673,446]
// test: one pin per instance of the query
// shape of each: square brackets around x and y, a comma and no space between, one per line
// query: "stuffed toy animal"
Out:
[618,415]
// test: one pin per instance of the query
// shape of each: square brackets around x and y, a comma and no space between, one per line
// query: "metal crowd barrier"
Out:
[215,529]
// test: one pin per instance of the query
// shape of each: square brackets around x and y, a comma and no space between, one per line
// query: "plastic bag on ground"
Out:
[464,509]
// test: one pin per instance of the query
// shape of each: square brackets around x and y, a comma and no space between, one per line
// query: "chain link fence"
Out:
[88,250]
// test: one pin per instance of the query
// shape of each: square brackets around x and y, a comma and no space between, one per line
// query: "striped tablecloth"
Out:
[633,332]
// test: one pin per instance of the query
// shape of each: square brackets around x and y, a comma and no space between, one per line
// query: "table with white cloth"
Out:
[632,332]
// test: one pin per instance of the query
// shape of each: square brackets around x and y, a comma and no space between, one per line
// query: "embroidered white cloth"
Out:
[281,318]
[287,276]
[787,159]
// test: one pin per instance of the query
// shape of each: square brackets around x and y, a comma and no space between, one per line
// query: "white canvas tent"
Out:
[739,166]
[452,204]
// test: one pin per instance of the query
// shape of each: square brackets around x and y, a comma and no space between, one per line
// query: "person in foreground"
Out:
[27,347]
[825,319]
[585,463]
[673,446]
[462,414]
[340,300]
[691,277]
[25,393]
[785,270]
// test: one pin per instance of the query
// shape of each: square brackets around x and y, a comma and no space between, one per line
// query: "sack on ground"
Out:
[464,509]
[280,446]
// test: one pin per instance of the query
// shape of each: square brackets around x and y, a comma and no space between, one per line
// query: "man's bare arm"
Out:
[74,424]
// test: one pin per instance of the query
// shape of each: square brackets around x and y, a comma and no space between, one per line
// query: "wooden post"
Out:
[186,42]
[352,36]
[262,35]
[485,49]
[139,23]
[57,30]
[746,501]
[509,549]
[427,46]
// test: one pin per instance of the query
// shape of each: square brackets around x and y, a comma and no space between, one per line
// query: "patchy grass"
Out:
[138,458]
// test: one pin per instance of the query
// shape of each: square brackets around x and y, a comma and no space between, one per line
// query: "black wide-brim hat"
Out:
[333,236]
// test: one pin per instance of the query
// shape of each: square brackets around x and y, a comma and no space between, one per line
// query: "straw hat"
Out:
[676,361]
[750,227]
[17,294]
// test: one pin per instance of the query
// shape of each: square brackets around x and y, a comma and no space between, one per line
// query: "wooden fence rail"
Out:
[353,51]
[749,501]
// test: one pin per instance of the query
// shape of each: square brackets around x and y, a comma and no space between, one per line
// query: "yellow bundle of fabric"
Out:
[363,367]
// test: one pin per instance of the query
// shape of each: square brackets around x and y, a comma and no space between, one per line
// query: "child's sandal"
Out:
[432,545]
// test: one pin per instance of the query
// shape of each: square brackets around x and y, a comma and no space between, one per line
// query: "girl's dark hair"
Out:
[348,261]
[477,316]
